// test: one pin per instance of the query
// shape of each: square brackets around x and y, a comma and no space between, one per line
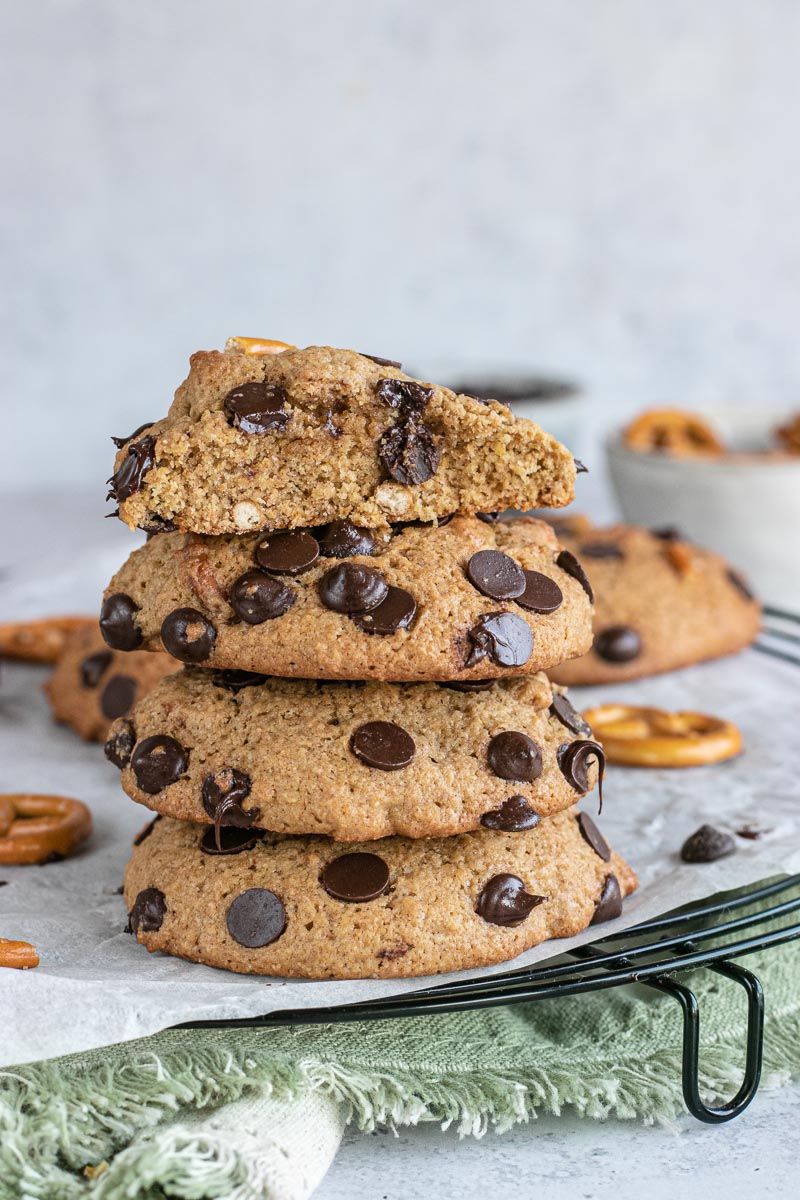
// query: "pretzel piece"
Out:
[257,346]
[40,641]
[33,828]
[651,737]
[671,431]
[21,955]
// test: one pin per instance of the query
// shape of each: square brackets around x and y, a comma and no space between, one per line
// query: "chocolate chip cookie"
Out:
[305,437]
[660,603]
[355,761]
[305,906]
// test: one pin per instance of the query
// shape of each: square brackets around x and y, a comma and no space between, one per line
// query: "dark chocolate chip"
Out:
[118,696]
[93,667]
[351,588]
[119,747]
[232,840]
[609,905]
[289,553]
[256,918]
[504,901]
[569,563]
[157,762]
[257,407]
[155,524]
[384,745]
[343,539]
[409,453]
[118,622]
[223,796]
[617,644]
[256,597]
[569,717]
[382,362]
[144,833]
[707,844]
[488,518]
[188,635]
[601,550]
[593,837]
[668,533]
[573,761]
[514,815]
[542,594]
[397,611]
[127,479]
[469,685]
[148,911]
[580,468]
[406,395]
[502,637]
[355,878]
[514,755]
[496,575]
[740,583]
[235,681]
[119,442]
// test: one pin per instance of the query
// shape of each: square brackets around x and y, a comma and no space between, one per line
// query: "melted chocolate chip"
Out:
[155,524]
[542,594]
[188,635]
[397,611]
[119,442]
[496,575]
[343,539]
[488,518]
[593,837]
[147,914]
[94,667]
[223,797]
[118,696]
[502,637]
[382,362]
[289,553]
[740,584]
[406,395]
[469,685]
[573,761]
[707,844]
[384,745]
[158,762]
[256,597]
[118,622]
[119,747]
[257,407]
[569,563]
[514,755]
[569,717]
[232,840]
[409,453]
[351,588]
[144,833]
[609,904]
[504,901]
[601,550]
[617,644]
[256,918]
[513,816]
[127,479]
[235,681]
[355,878]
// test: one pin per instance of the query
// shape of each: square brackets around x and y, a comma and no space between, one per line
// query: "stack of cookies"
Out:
[361,769]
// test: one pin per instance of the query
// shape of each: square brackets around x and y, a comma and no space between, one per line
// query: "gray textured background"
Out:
[608,189]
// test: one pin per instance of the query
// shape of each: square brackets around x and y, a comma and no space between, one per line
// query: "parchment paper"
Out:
[96,985]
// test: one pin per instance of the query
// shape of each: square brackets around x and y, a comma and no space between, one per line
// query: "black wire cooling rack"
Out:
[710,934]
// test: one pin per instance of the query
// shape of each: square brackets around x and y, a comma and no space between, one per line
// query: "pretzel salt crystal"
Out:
[33,828]
[651,737]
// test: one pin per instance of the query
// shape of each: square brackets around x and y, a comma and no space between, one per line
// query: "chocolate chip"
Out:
[617,644]
[235,681]
[93,668]
[119,442]
[118,622]
[232,840]
[119,747]
[502,637]
[601,550]
[668,533]
[155,524]
[496,575]
[469,685]
[289,553]
[504,901]
[488,518]
[351,588]
[188,635]
[223,796]
[382,362]
[707,844]
[569,717]
[573,761]
[569,563]
[148,911]
[127,479]
[118,696]
[343,539]
[740,584]
[355,878]
[384,745]
[406,395]
[144,834]
[580,468]
[514,815]
[514,755]
[158,762]
[609,905]
[397,611]
[409,453]
[256,597]
[256,918]
[542,594]
[257,407]
[593,837]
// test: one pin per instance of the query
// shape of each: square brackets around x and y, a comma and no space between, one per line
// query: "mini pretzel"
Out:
[257,346]
[789,435]
[671,431]
[32,828]
[18,954]
[651,737]
[40,641]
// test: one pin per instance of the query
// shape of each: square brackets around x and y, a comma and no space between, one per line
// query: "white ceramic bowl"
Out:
[745,505]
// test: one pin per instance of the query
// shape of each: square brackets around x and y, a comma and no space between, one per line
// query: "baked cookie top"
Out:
[469,599]
[275,441]
[306,906]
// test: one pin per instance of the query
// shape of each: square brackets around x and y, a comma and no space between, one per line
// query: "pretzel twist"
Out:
[671,431]
[651,737]
[18,954]
[33,828]
[40,641]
